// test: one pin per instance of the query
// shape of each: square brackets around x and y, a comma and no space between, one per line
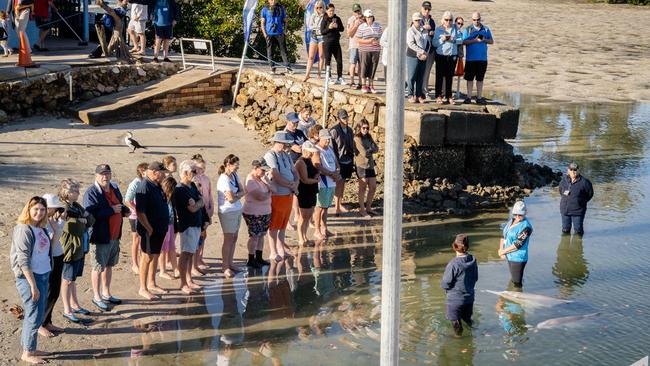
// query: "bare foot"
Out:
[363,213]
[194,286]
[329,233]
[177,274]
[197,273]
[146,294]
[187,290]
[228,273]
[292,227]
[158,290]
[41,353]
[341,210]
[203,267]
[135,269]
[319,236]
[165,275]
[44,332]
[32,359]
[305,78]
[54,328]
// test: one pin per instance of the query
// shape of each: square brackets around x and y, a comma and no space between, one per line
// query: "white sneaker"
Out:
[341,81]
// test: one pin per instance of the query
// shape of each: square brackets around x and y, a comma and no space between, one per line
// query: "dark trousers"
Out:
[279,39]
[517,272]
[576,220]
[415,68]
[369,62]
[458,312]
[53,289]
[445,68]
[333,48]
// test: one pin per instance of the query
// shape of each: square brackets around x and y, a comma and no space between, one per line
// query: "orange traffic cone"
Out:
[25,54]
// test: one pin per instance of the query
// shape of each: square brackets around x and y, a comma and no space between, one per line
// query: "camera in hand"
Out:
[480,36]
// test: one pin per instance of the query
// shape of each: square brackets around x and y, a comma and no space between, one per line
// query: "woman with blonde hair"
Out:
[316,39]
[31,262]
[446,40]
[307,188]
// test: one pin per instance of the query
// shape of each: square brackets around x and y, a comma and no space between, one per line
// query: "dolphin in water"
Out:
[564,321]
[529,299]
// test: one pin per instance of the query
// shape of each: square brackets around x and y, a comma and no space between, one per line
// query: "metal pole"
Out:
[325,97]
[70,78]
[241,66]
[85,20]
[458,87]
[393,184]
[182,54]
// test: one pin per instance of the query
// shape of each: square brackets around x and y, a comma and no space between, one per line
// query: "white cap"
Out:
[52,201]
[367,13]
[519,208]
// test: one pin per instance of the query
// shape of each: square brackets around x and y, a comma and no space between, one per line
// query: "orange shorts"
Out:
[280,211]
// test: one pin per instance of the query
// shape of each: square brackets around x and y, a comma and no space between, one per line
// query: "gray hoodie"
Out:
[459,279]
[22,246]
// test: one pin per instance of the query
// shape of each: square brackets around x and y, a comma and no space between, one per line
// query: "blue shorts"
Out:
[354,56]
[164,31]
[72,270]
[317,39]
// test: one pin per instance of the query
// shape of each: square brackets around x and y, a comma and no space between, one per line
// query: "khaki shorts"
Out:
[230,222]
[190,239]
[105,255]
[138,18]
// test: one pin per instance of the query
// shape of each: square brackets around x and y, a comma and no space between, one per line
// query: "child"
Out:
[458,281]
[74,241]
[4,35]
[168,250]
[204,185]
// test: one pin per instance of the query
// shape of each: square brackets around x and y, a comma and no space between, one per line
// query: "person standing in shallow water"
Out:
[514,244]
[458,281]
[575,192]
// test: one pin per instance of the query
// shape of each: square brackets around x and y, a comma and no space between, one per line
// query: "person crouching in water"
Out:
[461,274]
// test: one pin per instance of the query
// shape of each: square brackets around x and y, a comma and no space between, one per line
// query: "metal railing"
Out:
[199,44]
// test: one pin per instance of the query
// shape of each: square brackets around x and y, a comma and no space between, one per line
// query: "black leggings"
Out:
[445,68]
[517,272]
[53,288]
[333,48]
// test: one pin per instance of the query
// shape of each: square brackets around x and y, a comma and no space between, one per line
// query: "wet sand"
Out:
[565,50]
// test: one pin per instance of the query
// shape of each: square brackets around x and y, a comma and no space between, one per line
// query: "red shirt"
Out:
[115,221]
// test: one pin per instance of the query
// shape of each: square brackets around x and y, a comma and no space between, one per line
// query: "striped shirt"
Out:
[366,31]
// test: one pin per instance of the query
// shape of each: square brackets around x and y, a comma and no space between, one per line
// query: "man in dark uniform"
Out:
[575,192]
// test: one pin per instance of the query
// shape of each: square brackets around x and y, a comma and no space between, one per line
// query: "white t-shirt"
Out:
[55,236]
[328,160]
[228,184]
[41,254]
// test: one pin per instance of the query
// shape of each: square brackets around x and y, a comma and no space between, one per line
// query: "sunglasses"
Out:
[459,23]
[476,20]
[365,128]
[447,20]
[573,170]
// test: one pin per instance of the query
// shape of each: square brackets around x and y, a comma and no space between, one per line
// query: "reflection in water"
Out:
[570,268]
[512,318]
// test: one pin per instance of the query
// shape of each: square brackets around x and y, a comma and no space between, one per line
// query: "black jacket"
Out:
[331,35]
[97,205]
[574,196]
[459,279]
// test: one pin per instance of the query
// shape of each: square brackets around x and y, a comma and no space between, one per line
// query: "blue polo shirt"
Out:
[163,15]
[274,19]
[476,51]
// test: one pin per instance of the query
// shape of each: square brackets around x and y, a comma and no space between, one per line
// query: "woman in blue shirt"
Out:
[514,244]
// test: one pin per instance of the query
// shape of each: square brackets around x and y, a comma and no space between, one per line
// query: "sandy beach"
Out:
[565,50]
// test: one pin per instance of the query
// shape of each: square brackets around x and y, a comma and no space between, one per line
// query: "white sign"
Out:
[200,45]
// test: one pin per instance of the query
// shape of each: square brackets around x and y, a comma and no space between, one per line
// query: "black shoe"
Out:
[481,101]
[37,47]
[155,60]
[467,101]
[259,258]
[273,71]
[253,263]
[289,71]
[458,328]
[166,59]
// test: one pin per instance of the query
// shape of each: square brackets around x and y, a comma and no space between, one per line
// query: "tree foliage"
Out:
[222,22]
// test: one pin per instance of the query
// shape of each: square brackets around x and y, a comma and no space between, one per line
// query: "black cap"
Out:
[156,166]
[102,169]
[573,166]
[426,4]
[343,114]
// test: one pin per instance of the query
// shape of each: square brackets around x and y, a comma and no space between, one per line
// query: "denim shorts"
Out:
[72,270]
[190,239]
[354,56]
[325,197]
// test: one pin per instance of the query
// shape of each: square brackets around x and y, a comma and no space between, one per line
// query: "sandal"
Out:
[71,317]
[81,311]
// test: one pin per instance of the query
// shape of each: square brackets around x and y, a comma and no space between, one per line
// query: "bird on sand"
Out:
[132,143]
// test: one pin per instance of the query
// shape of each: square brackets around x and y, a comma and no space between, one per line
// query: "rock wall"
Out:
[50,93]
[444,170]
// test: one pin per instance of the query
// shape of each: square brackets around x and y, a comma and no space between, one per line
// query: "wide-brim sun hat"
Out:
[281,137]
[416,16]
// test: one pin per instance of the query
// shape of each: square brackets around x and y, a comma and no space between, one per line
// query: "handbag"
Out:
[460,68]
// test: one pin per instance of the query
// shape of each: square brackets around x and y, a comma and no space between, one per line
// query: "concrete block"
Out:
[428,129]
[507,120]
[466,128]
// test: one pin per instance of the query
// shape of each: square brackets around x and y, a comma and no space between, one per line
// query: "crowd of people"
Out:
[446,46]
[169,206]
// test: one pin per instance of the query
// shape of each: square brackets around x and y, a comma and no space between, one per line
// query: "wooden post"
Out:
[326,106]
[117,42]
[393,184]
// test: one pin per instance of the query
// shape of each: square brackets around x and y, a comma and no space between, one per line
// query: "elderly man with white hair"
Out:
[188,203]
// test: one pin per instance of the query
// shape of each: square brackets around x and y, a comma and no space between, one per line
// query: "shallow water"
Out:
[323,309]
